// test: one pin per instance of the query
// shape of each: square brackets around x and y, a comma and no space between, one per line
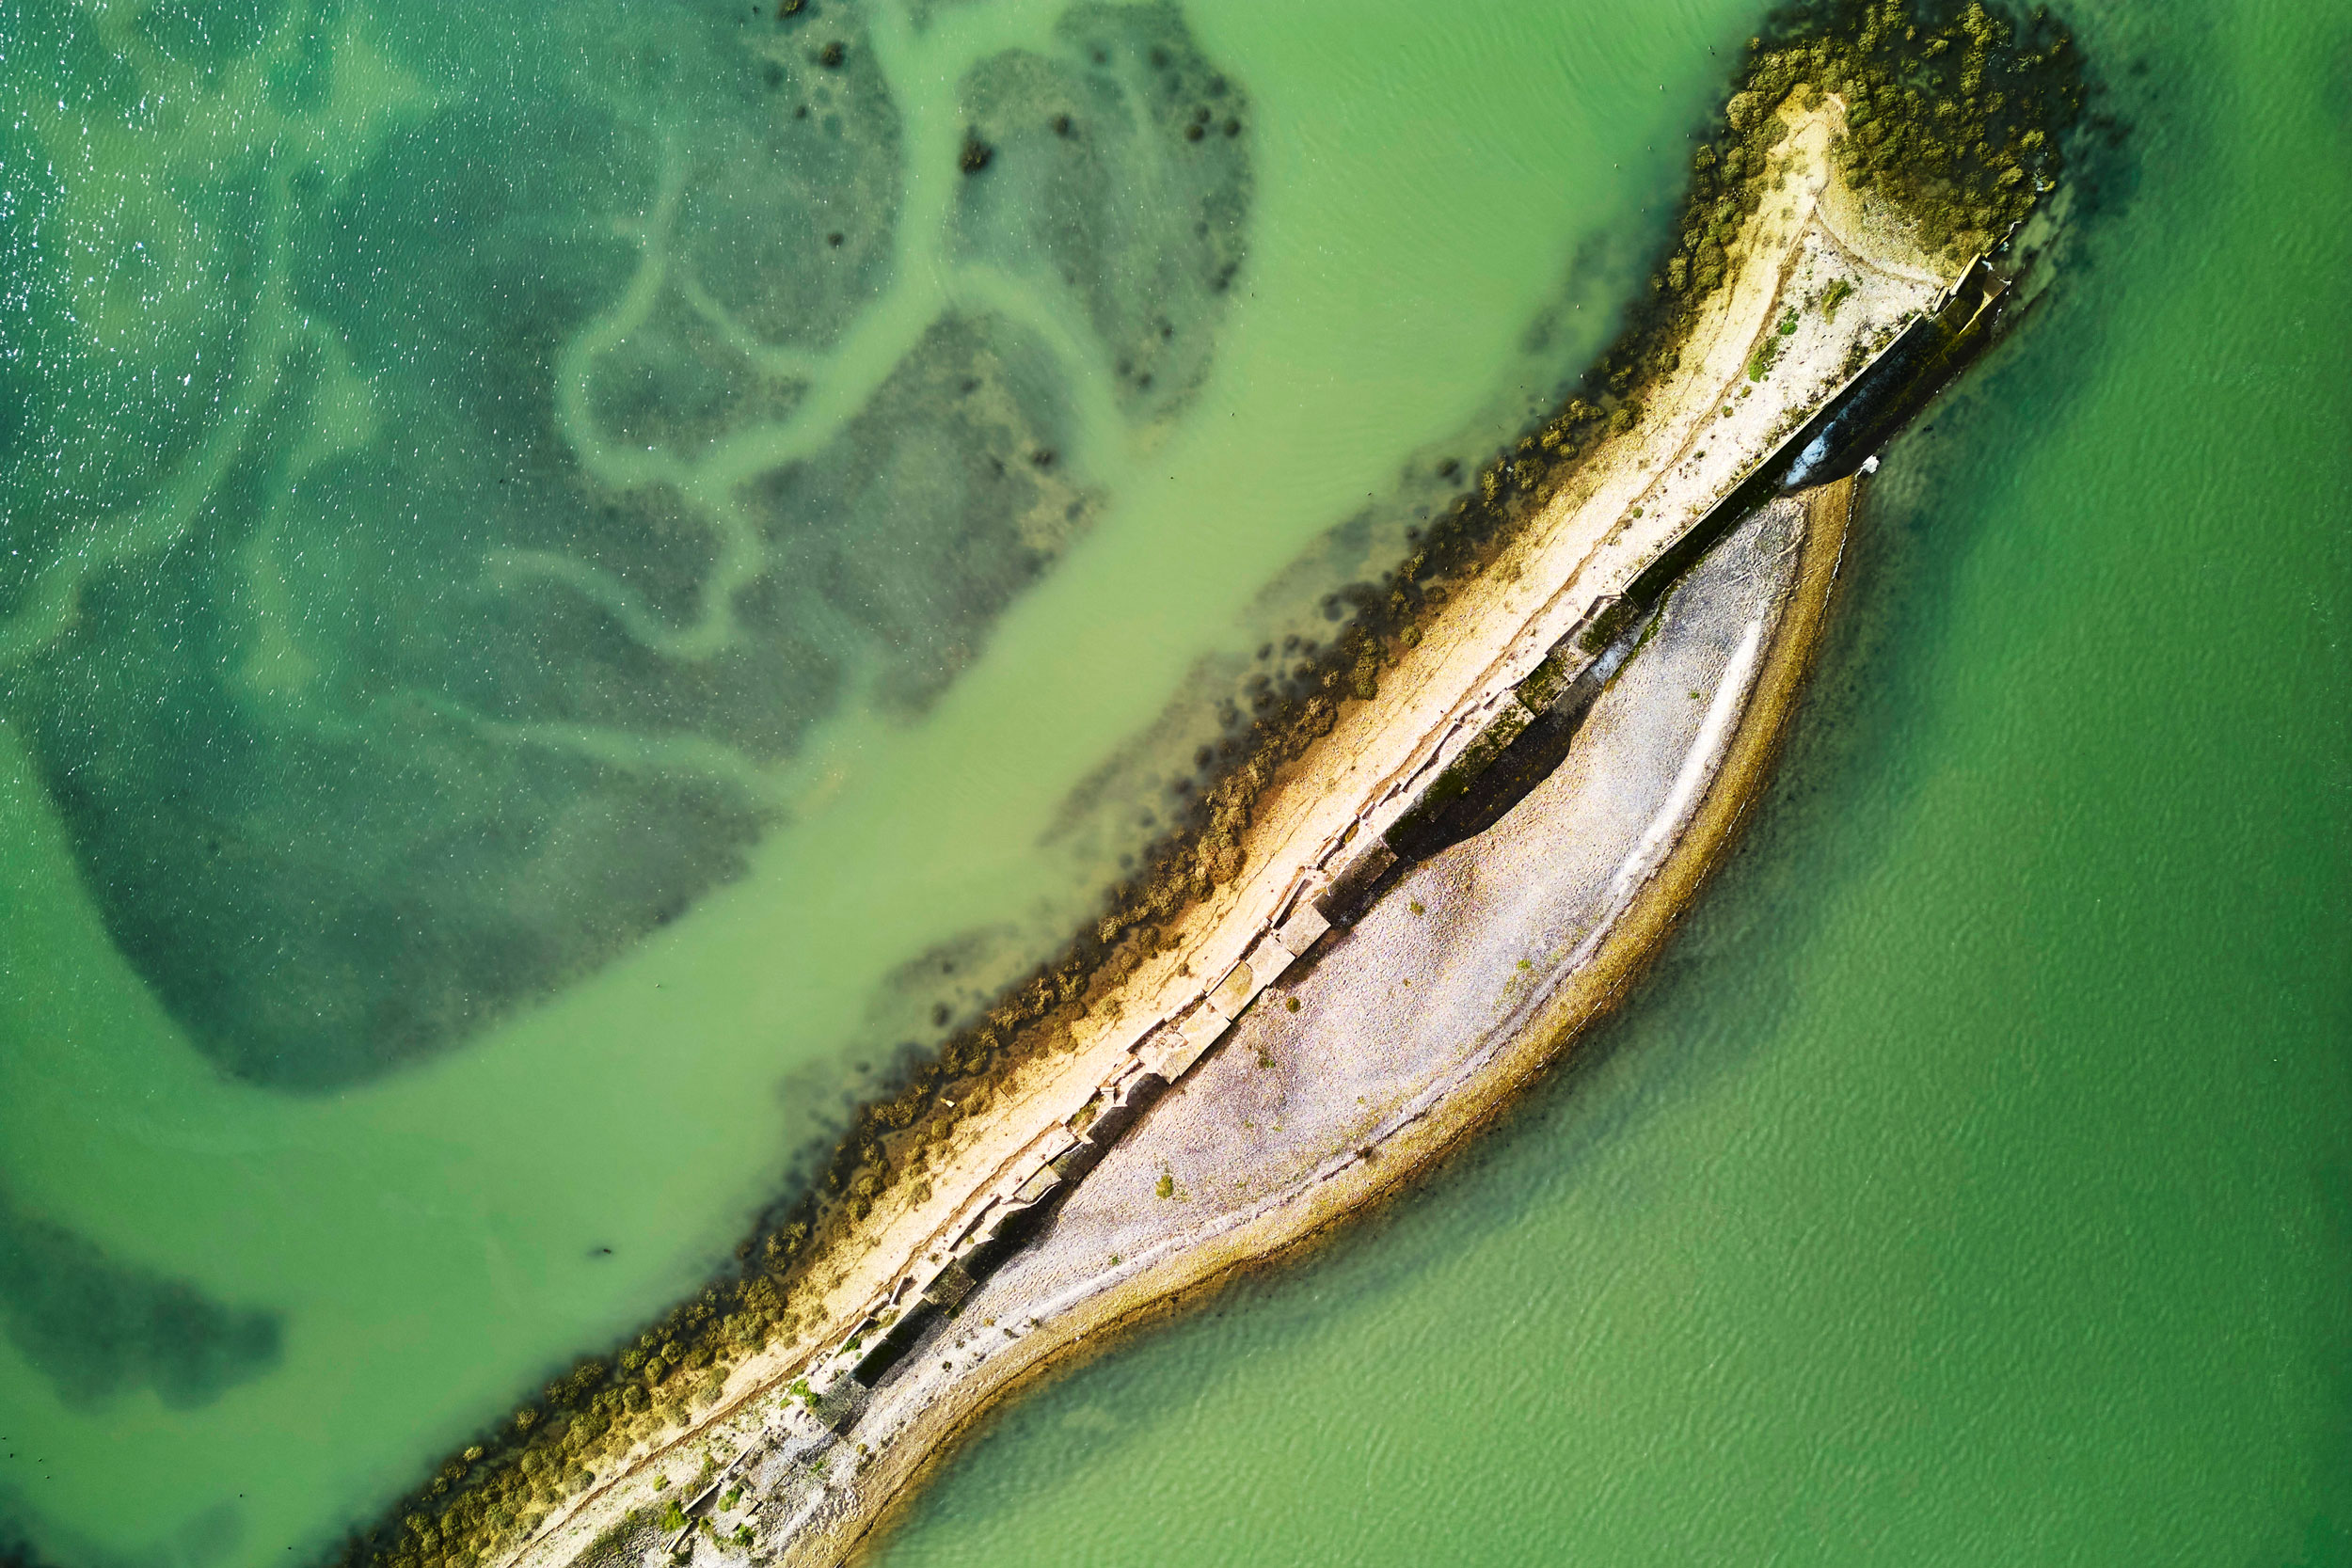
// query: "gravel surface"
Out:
[1388,1023]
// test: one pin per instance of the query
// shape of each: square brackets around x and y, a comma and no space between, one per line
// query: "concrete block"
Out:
[1194,1034]
[1074,1164]
[1166,1042]
[1233,990]
[973,1227]
[1302,930]
[1037,1186]
[1203,1026]
[949,1289]
[1350,892]
[1267,958]
[1109,1128]
[1144,1092]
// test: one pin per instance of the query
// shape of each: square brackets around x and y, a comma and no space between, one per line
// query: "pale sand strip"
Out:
[1588,876]
[1685,453]
[1724,769]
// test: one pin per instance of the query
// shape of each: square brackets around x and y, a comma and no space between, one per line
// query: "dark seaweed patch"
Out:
[407,729]
[1067,141]
[18,1552]
[99,1329]
[928,489]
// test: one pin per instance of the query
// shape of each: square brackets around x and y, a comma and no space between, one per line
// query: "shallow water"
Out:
[521,680]
[1972,1181]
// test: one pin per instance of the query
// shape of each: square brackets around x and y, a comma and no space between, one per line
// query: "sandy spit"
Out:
[887,1487]
[1700,432]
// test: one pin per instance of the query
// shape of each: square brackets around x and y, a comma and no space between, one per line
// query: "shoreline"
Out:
[1624,504]
[1791,274]
[1317,1216]
[780,1456]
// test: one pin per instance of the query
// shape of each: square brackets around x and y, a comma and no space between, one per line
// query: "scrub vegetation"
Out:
[1958,117]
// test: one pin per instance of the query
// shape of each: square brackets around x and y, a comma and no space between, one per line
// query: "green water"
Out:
[526,674]
[1971,1183]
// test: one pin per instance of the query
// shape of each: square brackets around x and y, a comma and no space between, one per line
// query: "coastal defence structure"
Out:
[1813,286]
[1372,1054]
[1832,329]
[1472,779]
[1530,733]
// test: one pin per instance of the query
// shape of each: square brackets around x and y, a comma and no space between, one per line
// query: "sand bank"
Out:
[1409,1033]
[1817,283]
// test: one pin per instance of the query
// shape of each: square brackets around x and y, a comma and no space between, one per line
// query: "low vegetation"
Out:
[1957,114]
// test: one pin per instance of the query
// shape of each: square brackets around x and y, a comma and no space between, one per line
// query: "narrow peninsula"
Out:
[1411,888]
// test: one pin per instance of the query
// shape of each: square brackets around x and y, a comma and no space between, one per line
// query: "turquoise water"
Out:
[1970,1183]
[528,675]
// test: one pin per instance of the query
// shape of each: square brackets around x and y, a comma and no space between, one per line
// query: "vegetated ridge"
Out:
[1956,113]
